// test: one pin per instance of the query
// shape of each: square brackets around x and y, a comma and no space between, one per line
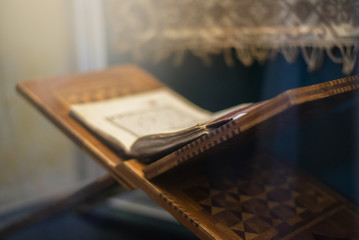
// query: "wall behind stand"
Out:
[36,160]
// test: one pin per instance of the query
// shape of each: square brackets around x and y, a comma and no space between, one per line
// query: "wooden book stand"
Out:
[236,193]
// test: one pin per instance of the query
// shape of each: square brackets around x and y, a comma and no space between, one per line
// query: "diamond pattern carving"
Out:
[256,206]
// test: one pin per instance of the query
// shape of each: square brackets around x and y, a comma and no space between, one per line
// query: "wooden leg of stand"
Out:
[97,189]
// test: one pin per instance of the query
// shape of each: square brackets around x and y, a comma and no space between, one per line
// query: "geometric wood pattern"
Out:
[110,87]
[259,197]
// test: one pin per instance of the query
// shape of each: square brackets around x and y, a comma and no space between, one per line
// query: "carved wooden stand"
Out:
[237,193]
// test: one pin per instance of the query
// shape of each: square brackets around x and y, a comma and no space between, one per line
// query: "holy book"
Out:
[151,124]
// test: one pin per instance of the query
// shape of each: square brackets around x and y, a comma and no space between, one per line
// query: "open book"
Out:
[151,124]
[160,127]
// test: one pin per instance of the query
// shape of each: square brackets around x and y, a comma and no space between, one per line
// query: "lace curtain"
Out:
[257,30]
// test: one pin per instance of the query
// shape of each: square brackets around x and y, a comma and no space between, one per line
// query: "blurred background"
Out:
[42,38]
[36,40]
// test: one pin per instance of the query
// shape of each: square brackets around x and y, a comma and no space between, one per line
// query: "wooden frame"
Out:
[239,198]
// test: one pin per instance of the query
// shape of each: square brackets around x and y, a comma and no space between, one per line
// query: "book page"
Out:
[123,120]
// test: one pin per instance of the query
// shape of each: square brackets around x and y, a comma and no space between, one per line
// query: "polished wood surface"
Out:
[233,194]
